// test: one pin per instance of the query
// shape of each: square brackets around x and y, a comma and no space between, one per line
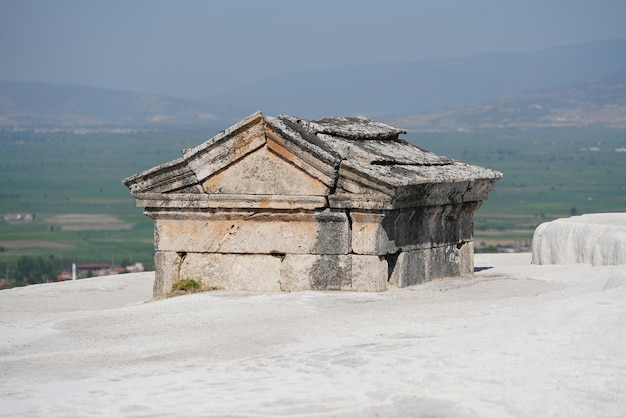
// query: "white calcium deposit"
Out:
[516,340]
[598,239]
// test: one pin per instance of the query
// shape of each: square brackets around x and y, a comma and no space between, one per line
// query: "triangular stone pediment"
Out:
[257,156]
[262,172]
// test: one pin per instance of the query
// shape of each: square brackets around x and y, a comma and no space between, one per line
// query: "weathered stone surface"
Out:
[598,239]
[255,232]
[466,259]
[418,266]
[445,261]
[414,185]
[386,232]
[227,147]
[370,273]
[316,272]
[295,272]
[368,235]
[357,127]
[331,272]
[273,272]
[264,173]
[252,272]
[334,272]
[157,204]
[288,204]
[303,150]
[166,178]
[410,268]
[167,267]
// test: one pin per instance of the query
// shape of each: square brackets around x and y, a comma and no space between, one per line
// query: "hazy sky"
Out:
[190,48]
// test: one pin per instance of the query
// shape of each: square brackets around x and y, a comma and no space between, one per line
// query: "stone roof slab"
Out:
[288,156]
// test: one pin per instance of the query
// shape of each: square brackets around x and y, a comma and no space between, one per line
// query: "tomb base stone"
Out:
[419,266]
[362,273]
[252,272]
[272,272]
[166,269]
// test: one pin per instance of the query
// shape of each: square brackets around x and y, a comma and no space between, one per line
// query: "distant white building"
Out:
[19,217]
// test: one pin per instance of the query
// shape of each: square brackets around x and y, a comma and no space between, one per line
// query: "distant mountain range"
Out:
[31,104]
[581,85]
[598,104]
[425,86]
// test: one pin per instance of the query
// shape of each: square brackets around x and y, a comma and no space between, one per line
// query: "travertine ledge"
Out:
[598,239]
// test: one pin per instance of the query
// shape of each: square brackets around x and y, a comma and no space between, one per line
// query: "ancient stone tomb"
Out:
[281,203]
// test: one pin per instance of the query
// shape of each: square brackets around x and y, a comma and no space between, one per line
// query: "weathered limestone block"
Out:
[252,272]
[387,232]
[167,266]
[295,272]
[334,272]
[368,235]
[370,273]
[454,223]
[466,259]
[419,266]
[327,272]
[255,232]
[449,260]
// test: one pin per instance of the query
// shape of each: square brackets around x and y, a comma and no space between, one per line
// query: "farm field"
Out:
[71,184]
[66,187]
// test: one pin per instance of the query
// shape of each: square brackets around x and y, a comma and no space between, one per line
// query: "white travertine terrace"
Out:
[598,239]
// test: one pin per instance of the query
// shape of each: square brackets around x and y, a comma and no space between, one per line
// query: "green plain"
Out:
[547,174]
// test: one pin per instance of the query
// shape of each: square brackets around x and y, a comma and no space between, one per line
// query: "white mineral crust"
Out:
[515,340]
[598,239]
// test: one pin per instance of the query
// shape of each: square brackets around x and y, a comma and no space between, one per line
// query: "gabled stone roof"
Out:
[357,127]
[355,162]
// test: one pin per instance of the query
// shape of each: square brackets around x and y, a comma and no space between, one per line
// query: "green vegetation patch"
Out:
[186,286]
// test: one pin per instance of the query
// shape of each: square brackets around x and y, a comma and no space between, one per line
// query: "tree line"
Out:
[28,269]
